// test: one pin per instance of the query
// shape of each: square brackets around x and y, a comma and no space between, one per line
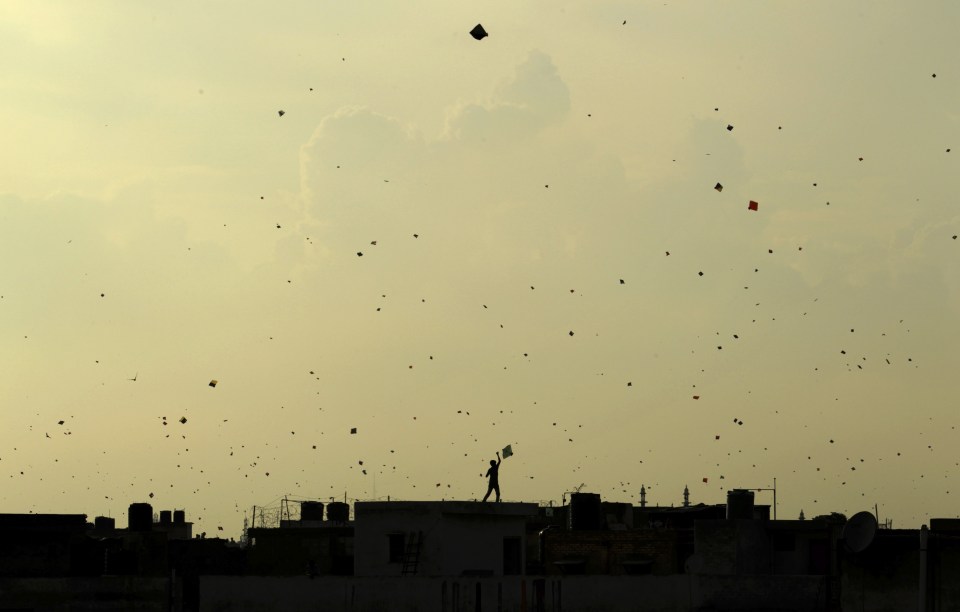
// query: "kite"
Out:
[478,32]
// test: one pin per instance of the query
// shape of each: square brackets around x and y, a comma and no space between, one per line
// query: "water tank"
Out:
[179,517]
[586,512]
[739,504]
[311,511]
[338,512]
[140,517]
[104,523]
[164,517]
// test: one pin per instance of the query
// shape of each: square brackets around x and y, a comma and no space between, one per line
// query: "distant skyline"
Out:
[546,262]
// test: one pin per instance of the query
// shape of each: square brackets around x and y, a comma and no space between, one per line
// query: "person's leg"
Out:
[497,489]
[489,490]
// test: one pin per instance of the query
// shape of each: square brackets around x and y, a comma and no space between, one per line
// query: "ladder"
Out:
[411,555]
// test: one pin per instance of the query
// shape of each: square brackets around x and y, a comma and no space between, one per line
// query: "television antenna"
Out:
[576,490]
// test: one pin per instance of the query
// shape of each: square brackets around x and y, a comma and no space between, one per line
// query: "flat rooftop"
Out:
[521,509]
[43,522]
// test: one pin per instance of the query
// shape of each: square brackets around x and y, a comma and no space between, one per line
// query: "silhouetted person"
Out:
[493,478]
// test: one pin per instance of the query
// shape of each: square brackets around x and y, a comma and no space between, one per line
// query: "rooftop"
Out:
[447,507]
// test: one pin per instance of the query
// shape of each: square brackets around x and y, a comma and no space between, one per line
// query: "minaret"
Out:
[802,518]
[686,497]
[643,497]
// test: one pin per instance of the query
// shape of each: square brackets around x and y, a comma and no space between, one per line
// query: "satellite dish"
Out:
[859,531]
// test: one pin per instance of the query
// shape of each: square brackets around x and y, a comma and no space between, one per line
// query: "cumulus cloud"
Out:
[347,136]
[484,184]
[534,98]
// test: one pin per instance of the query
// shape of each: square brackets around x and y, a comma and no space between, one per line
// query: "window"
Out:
[396,546]
[512,557]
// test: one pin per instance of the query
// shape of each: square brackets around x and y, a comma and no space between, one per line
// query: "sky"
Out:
[355,215]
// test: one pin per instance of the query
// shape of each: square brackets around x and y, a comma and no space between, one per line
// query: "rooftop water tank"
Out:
[164,517]
[586,512]
[338,512]
[140,517]
[311,511]
[739,504]
[104,523]
[179,517]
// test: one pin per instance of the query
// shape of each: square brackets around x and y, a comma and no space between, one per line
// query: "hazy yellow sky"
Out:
[160,220]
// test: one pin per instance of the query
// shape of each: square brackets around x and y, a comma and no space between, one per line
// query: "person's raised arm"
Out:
[498,459]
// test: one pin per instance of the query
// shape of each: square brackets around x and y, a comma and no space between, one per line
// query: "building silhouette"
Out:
[587,554]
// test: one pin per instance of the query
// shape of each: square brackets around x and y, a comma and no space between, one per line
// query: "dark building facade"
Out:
[589,555]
